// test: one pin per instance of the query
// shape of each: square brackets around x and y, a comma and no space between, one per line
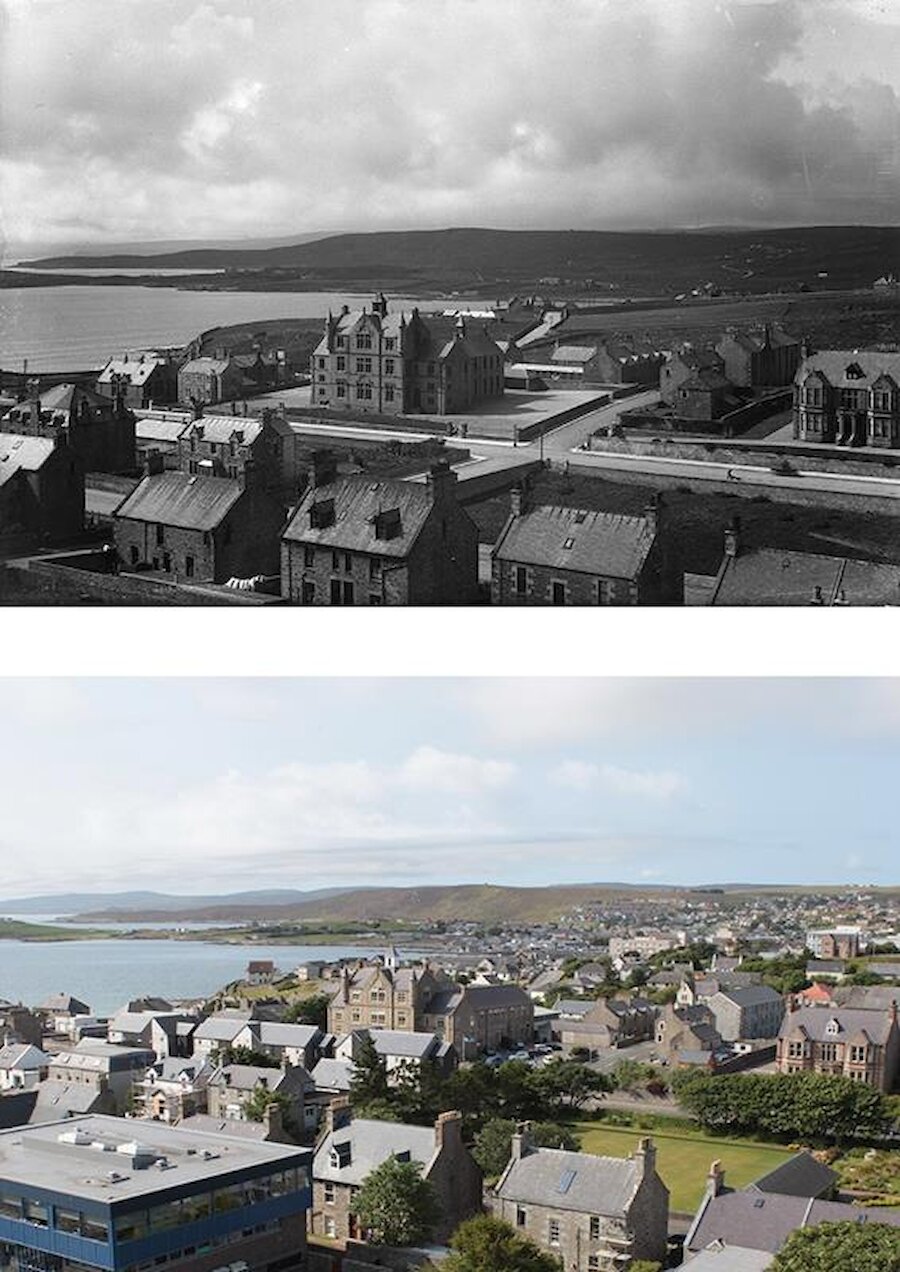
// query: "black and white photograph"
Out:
[485,303]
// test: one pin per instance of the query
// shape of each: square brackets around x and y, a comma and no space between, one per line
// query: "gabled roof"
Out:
[247,1077]
[800,1176]
[333,1075]
[206,366]
[602,543]
[181,499]
[358,501]
[571,1181]
[22,454]
[771,576]
[764,1221]
[751,995]
[834,363]
[851,1021]
[224,428]
[22,1055]
[364,1144]
[138,368]
[574,353]
[271,1033]
[720,1257]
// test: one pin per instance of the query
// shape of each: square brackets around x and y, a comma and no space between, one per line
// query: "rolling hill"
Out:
[849,256]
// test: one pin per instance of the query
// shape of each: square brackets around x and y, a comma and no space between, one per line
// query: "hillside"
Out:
[115,904]
[747,261]
[481,903]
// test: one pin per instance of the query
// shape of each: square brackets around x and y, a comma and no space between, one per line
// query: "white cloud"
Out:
[583,776]
[430,769]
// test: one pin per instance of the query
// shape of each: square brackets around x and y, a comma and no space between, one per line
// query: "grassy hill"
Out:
[739,260]
[482,903]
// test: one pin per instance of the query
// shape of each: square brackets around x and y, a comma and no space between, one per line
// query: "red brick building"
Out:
[359,541]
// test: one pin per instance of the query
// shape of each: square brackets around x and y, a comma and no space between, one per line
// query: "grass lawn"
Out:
[683,1158]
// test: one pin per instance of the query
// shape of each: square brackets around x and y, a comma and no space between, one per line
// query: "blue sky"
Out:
[197,785]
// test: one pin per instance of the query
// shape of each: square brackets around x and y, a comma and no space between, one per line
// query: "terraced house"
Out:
[391,364]
[849,397]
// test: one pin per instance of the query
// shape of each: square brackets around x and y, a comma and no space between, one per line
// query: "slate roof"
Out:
[573,1007]
[22,1055]
[728,1258]
[397,1042]
[800,1176]
[852,1021]
[62,398]
[573,353]
[181,499]
[370,1144]
[247,1077]
[150,428]
[22,454]
[333,1075]
[833,365]
[571,1181]
[770,576]
[357,502]
[206,366]
[220,1028]
[603,543]
[55,1100]
[137,367]
[271,1033]
[764,1221]
[222,428]
[61,1004]
[751,995]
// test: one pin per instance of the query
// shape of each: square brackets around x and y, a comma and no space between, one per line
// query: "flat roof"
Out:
[103,1165]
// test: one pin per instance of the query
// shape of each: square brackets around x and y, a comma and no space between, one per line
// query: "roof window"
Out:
[388,524]
[321,514]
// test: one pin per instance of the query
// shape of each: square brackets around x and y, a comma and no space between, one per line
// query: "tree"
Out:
[645,1265]
[869,1247]
[566,1085]
[493,1143]
[245,1055]
[309,1011]
[487,1244]
[369,1081]
[395,1204]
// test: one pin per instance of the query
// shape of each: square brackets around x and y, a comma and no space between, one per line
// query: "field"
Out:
[683,1158]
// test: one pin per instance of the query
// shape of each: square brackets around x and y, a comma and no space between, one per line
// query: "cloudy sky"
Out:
[195,785]
[155,119]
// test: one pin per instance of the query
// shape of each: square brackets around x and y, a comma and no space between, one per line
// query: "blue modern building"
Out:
[131,1196]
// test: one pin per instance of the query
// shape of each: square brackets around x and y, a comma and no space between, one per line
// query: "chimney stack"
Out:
[521,1142]
[323,469]
[153,463]
[517,501]
[645,1156]
[733,538]
[448,1129]
[273,1120]
[715,1180]
[338,1115]
[440,481]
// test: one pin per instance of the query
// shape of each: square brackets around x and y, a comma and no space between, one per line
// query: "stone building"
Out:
[610,1022]
[848,397]
[469,1018]
[683,365]
[208,380]
[593,1213]
[374,361]
[140,380]
[752,1011]
[570,556]
[231,1087]
[754,359]
[41,492]
[198,529]
[685,1028]
[351,1148]
[99,430]
[853,1042]
[228,445]
[364,541]
[610,362]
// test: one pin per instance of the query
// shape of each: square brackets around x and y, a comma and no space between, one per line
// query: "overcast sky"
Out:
[216,118]
[218,785]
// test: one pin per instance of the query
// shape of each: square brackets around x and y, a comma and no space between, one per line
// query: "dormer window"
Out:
[340,1155]
[832,1029]
[388,524]
[854,372]
[321,514]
